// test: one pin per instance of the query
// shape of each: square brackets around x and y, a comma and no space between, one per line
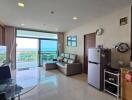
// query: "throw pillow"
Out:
[60,58]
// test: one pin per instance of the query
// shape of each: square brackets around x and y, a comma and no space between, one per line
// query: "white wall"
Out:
[1,23]
[113,33]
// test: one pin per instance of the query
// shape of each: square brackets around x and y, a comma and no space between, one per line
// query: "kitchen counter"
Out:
[127,68]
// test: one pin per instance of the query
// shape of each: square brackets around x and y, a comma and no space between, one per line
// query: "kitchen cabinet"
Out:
[112,82]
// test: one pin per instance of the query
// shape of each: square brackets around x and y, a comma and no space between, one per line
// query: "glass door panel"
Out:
[48,50]
[27,52]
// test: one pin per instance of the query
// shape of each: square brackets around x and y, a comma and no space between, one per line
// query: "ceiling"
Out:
[37,13]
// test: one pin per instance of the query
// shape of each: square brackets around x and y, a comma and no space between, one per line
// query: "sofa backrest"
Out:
[69,58]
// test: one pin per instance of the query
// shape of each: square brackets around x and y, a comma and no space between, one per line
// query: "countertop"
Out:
[128,68]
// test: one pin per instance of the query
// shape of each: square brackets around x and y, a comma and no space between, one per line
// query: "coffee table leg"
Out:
[18,97]
[12,98]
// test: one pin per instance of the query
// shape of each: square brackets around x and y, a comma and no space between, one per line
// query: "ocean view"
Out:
[31,52]
[36,49]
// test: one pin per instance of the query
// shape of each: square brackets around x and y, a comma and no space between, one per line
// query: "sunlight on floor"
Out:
[53,85]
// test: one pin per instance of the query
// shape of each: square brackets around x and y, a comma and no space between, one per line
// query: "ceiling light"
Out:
[75,18]
[20,4]
[52,12]
[22,24]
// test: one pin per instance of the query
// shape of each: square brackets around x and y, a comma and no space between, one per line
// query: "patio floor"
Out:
[31,64]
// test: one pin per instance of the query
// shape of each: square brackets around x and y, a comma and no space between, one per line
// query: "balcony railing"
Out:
[31,58]
[47,56]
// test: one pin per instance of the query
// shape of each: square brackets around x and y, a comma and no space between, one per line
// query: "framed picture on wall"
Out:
[72,41]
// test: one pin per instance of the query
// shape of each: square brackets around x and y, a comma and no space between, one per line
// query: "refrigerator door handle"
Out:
[93,62]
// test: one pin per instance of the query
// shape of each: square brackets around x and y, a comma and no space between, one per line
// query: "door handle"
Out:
[93,62]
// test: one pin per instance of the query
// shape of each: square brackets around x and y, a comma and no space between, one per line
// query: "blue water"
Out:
[48,45]
[32,49]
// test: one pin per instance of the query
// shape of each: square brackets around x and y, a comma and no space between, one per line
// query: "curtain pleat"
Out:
[60,43]
[1,35]
[10,42]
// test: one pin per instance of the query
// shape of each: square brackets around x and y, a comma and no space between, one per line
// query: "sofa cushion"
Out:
[62,54]
[72,56]
[67,55]
[60,58]
[61,64]
[70,61]
[65,60]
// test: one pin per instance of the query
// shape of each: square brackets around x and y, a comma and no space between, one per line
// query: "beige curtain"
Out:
[10,42]
[0,35]
[60,43]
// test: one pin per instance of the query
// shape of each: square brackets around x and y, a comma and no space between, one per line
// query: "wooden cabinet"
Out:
[126,87]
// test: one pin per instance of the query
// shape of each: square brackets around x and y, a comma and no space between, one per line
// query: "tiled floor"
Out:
[53,85]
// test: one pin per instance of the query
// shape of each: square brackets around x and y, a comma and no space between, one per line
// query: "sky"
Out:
[2,49]
[27,43]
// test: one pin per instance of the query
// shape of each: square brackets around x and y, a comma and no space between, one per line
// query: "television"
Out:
[3,54]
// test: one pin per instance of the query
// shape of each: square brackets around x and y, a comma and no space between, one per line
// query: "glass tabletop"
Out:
[24,82]
[12,89]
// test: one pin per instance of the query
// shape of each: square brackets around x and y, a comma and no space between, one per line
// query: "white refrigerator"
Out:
[98,59]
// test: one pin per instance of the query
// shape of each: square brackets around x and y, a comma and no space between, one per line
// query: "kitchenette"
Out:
[101,75]
[119,82]
[110,70]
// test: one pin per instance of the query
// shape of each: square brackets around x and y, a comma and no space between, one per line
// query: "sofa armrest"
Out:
[75,68]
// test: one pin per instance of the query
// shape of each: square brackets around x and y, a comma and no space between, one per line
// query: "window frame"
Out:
[39,52]
[71,40]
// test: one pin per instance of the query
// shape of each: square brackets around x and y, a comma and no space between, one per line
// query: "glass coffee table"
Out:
[24,82]
[12,90]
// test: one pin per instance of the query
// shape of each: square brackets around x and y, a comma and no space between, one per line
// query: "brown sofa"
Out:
[69,64]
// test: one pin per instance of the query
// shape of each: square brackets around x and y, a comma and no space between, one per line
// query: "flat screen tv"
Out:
[3,54]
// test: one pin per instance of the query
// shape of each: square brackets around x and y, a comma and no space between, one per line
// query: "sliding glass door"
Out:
[48,50]
[27,52]
[34,48]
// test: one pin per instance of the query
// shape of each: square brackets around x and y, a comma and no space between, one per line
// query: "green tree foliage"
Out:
[2,57]
[27,56]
